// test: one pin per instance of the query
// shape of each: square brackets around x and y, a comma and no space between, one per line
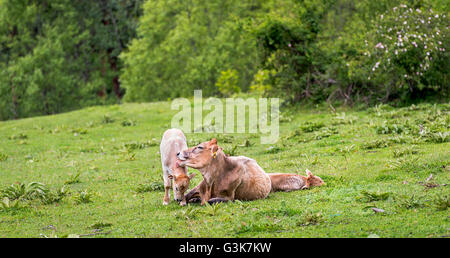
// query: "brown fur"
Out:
[236,178]
[291,182]
[224,178]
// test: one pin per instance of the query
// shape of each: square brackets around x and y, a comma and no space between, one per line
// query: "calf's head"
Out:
[312,180]
[181,182]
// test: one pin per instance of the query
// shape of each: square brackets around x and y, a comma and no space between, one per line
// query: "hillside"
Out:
[107,159]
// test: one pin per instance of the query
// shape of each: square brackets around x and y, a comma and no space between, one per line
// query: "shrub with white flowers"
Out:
[405,44]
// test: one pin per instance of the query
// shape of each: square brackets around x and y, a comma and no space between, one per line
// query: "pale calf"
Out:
[174,141]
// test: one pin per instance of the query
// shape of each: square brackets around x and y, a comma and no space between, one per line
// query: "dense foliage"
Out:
[61,55]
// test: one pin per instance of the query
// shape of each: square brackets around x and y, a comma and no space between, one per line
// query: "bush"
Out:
[227,83]
[407,48]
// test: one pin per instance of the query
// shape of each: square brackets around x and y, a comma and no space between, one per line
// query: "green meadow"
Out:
[96,172]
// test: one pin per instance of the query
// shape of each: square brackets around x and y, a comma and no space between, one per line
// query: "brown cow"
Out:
[228,178]
[291,182]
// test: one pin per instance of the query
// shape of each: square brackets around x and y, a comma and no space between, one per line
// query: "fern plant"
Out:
[83,197]
[7,204]
[21,191]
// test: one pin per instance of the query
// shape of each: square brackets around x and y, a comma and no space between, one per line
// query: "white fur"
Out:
[173,141]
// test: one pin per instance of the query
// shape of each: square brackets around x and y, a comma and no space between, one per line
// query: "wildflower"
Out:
[379,45]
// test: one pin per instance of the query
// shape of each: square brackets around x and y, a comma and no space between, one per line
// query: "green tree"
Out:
[61,55]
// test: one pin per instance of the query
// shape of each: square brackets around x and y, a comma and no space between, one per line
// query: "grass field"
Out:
[100,175]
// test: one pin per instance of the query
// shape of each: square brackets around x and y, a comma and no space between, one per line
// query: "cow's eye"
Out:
[200,147]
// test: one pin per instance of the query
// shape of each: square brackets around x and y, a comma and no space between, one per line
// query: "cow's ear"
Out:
[213,145]
[309,173]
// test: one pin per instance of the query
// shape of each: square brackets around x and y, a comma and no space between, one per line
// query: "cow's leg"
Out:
[167,186]
[194,194]
[205,193]
[218,200]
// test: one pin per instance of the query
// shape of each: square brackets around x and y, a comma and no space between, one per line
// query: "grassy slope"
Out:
[53,151]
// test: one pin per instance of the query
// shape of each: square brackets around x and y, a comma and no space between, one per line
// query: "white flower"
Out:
[379,45]
[418,10]
[436,16]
